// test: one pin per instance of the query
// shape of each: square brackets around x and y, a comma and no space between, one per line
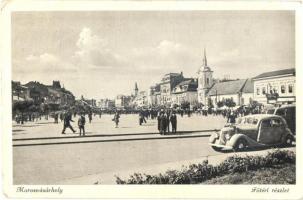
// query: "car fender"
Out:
[287,133]
[213,137]
[234,139]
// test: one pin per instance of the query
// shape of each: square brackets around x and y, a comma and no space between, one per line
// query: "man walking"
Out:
[81,124]
[116,119]
[66,124]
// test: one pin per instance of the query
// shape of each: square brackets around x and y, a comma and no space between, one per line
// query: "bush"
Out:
[197,173]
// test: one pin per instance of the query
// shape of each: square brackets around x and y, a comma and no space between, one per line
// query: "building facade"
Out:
[168,82]
[238,91]
[123,101]
[186,91]
[276,87]
[106,104]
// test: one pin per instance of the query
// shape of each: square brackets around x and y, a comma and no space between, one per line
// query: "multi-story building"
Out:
[20,92]
[40,93]
[141,100]
[168,82]
[275,87]
[122,101]
[154,95]
[90,102]
[105,104]
[186,91]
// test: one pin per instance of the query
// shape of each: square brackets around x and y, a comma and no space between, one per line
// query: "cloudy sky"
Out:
[102,54]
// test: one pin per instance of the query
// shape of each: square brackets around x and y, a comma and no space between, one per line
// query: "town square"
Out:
[108,102]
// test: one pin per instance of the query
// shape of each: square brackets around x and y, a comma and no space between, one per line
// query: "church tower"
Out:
[136,89]
[205,81]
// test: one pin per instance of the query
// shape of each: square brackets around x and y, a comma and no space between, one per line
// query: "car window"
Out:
[251,120]
[266,123]
[271,111]
[281,112]
[276,123]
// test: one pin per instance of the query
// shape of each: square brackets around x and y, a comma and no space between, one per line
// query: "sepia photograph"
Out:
[153,97]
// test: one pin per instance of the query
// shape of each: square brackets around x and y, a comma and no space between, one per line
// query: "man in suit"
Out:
[173,121]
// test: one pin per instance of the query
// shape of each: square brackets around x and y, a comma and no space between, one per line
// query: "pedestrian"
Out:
[173,121]
[141,118]
[159,121]
[163,123]
[56,118]
[66,124]
[167,121]
[90,117]
[116,119]
[232,117]
[81,124]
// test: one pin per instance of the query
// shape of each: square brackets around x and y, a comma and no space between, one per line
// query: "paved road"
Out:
[129,124]
[86,163]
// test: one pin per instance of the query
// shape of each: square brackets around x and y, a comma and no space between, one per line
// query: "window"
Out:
[275,123]
[263,90]
[266,124]
[290,89]
[282,89]
[258,91]
[207,81]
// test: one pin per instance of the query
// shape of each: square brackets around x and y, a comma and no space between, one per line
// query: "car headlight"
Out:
[227,136]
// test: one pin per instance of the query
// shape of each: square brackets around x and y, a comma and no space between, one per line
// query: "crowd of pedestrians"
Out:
[166,118]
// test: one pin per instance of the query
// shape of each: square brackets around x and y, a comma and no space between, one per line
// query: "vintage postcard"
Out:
[151,99]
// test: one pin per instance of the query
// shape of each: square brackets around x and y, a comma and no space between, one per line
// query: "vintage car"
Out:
[253,131]
[288,112]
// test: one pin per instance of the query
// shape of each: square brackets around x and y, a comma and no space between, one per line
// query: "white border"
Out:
[139,191]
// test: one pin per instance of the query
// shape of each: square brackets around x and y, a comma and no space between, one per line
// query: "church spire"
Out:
[136,89]
[204,59]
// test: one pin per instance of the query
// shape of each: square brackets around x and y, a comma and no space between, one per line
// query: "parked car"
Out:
[253,131]
[288,112]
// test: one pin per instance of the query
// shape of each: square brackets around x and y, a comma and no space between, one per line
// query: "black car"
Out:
[288,112]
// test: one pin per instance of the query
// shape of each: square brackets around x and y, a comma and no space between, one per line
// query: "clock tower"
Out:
[205,81]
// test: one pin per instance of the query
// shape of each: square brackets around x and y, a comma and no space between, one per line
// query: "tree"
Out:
[229,103]
[220,104]
[22,107]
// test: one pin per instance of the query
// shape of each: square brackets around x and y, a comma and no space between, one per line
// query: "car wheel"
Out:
[216,148]
[288,141]
[241,145]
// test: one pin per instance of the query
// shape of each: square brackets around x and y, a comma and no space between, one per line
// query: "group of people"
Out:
[81,123]
[164,120]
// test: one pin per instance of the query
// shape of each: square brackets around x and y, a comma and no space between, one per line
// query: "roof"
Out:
[228,87]
[191,83]
[173,74]
[276,73]
[249,86]
[262,116]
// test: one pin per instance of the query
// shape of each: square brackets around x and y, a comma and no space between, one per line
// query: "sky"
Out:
[102,54]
